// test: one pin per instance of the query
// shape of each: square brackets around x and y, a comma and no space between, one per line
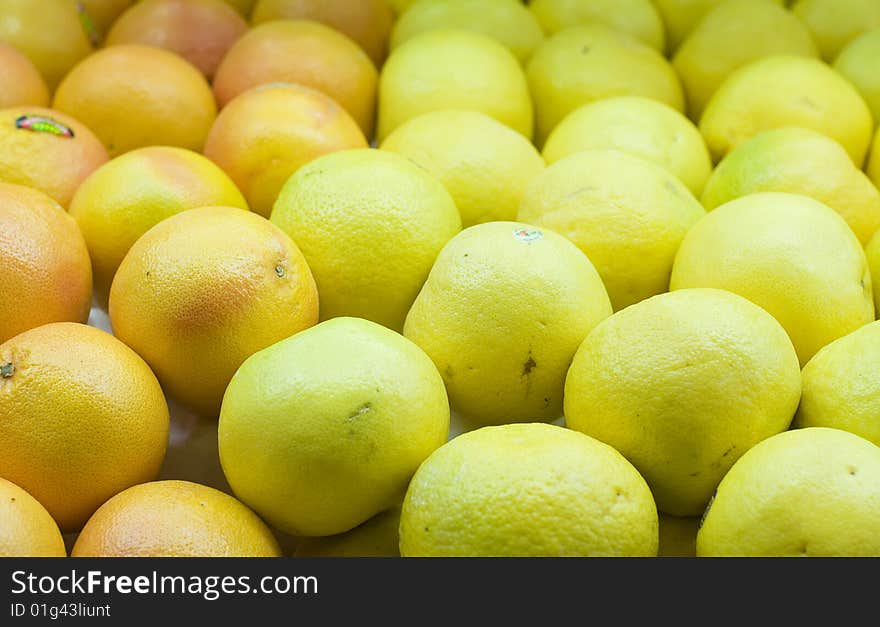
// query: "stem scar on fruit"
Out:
[6,370]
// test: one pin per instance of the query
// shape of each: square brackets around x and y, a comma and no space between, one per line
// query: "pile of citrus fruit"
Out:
[439,278]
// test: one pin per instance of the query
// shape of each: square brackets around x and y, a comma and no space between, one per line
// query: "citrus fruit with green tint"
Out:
[501,315]
[626,214]
[307,53]
[642,127]
[20,81]
[806,492]
[28,530]
[858,62]
[582,64]
[636,18]
[201,291]
[678,536]
[47,150]
[127,196]
[485,165]
[322,431]
[399,6]
[527,490]
[45,274]
[82,417]
[731,35]
[834,23]
[174,519]
[200,31]
[872,253]
[841,386]
[477,73]
[134,95]
[378,537]
[370,224]
[682,384]
[267,133]
[799,161]
[790,254]
[873,168]
[48,32]
[681,16]
[368,22]
[508,21]
[785,90]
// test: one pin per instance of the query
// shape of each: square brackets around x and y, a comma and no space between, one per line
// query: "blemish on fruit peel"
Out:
[279,270]
[43,124]
[528,235]
[7,370]
[360,411]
